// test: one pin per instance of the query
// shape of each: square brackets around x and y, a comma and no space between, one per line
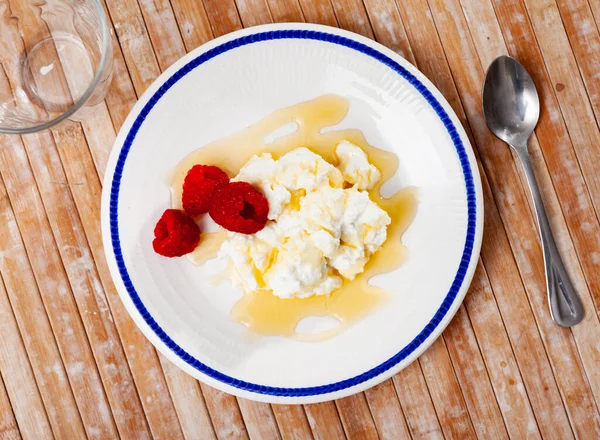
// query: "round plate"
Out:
[233,82]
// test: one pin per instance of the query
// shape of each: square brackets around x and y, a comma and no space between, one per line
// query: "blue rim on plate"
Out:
[469,238]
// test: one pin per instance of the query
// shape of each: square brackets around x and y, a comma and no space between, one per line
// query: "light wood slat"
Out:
[356,417]
[285,11]
[388,416]
[388,27]
[417,404]
[445,392]
[225,414]
[590,355]
[223,16]
[134,42]
[472,376]
[522,234]
[113,365]
[87,290]
[584,37]
[324,421]
[259,419]
[120,92]
[499,359]
[521,327]
[193,22]
[561,67]
[351,15]
[17,374]
[164,34]
[58,301]
[8,425]
[254,12]
[579,223]
[142,359]
[318,11]
[191,407]
[429,52]
[292,422]
[99,134]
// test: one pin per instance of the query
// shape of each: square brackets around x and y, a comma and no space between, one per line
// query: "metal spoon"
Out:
[511,108]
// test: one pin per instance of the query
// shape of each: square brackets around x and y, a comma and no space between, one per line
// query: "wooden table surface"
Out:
[73,364]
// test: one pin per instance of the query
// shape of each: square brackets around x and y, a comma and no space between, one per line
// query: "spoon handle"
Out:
[565,306]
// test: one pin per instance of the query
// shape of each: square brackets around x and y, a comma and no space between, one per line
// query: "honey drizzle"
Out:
[261,311]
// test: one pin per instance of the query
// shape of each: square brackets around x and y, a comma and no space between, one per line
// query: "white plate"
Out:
[230,83]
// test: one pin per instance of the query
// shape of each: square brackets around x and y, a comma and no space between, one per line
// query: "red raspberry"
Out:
[239,207]
[200,185]
[176,234]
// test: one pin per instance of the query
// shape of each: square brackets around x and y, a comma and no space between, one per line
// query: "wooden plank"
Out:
[18,378]
[499,358]
[571,190]
[42,340]
[584,38]
[259,419]
[545,22]
[141,357]
[417,404]
[223,16]
[432,61]
[254,12]
[554,159]
[192,22]
[324,421]
[191,407]
[292,422]
[87,290]
[472,376]
[99,134]
[146,370]
[225,414]
[319,12]
[165,38]
[356,417]
[521,327]
[445,392]
[8,425]
[134,42]
[286,11]
[523,237]
[352,16]
[388,27]
[388,417]
[162,28]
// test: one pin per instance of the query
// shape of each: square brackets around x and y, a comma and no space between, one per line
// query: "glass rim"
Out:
[90,89]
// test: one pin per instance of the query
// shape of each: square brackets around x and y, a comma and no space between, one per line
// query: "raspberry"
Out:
[176,234]
[239,207]
[200,185]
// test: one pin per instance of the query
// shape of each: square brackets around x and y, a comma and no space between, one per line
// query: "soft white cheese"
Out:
[355,166]
[311,244]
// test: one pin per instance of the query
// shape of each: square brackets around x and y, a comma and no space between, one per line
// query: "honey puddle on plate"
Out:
[261,311]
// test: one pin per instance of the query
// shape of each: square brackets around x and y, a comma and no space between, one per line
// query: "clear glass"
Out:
[55,57]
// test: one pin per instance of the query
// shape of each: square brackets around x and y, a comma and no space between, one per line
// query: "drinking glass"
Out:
[55,57]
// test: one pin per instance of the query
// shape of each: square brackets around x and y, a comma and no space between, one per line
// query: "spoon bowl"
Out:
[512,107]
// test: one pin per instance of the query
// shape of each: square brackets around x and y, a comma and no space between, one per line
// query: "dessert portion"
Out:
[319,232]
[302,222]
